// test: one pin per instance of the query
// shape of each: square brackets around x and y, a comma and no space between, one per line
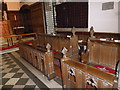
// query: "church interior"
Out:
[59,44]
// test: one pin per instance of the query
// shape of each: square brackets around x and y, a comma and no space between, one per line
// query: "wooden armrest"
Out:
[84,57]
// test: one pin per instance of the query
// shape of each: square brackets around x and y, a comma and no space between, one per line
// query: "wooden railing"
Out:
[41,59]
[12,39]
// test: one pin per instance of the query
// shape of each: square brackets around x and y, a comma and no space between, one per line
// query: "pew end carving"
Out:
[65,54]
[92,32]
[86,74]
[78,75]
[73,31]
[49,63]
[74,51]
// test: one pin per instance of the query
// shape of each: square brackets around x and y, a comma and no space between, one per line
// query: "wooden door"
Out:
[25,13]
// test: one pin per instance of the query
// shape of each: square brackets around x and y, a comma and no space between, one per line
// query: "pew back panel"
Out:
[58,43]
[84,35]
[103,53]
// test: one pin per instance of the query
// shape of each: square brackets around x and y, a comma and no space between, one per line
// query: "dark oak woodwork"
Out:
[75,74]
[15,20]
[83,35]
[86,76]
[58,43]
[104,53]
[25,14]
[83,74]
[40,59]
[37,17]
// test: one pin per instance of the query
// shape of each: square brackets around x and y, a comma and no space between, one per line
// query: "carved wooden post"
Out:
[48,61]
[73,31]
[64,68]
[74,52]
[92,32]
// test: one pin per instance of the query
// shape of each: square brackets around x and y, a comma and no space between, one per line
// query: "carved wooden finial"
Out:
[92,31]
[48,46]
[64,51]
[91,28]
[73,31]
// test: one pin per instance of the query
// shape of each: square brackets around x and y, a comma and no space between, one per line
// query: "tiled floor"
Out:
[18,74]
[43,81]
[9,50]
[13,76]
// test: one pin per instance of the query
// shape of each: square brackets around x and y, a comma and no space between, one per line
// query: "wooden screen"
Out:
[15,20]
[37,17]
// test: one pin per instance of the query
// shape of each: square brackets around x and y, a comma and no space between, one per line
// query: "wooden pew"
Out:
[104,53]
[57,43]
[84,35]
[40,59]
[79,75]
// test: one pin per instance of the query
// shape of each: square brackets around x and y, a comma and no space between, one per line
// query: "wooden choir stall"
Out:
[43,59]
[40,58]
[99,66]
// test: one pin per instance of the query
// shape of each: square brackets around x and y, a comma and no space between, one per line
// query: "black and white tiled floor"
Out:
[13,76]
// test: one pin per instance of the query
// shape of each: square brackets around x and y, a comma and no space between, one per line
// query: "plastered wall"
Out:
[103,20]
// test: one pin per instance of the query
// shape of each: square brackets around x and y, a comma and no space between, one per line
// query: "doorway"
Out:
[26,19]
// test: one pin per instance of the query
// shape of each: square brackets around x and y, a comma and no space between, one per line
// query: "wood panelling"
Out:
[104,53]
[58,43]
[15,20]
[85,76]
[37,17]
[83,35]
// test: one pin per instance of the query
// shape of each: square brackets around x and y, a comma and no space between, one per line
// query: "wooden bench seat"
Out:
[40,58]
[85,75]
[58,43]
[103,53]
